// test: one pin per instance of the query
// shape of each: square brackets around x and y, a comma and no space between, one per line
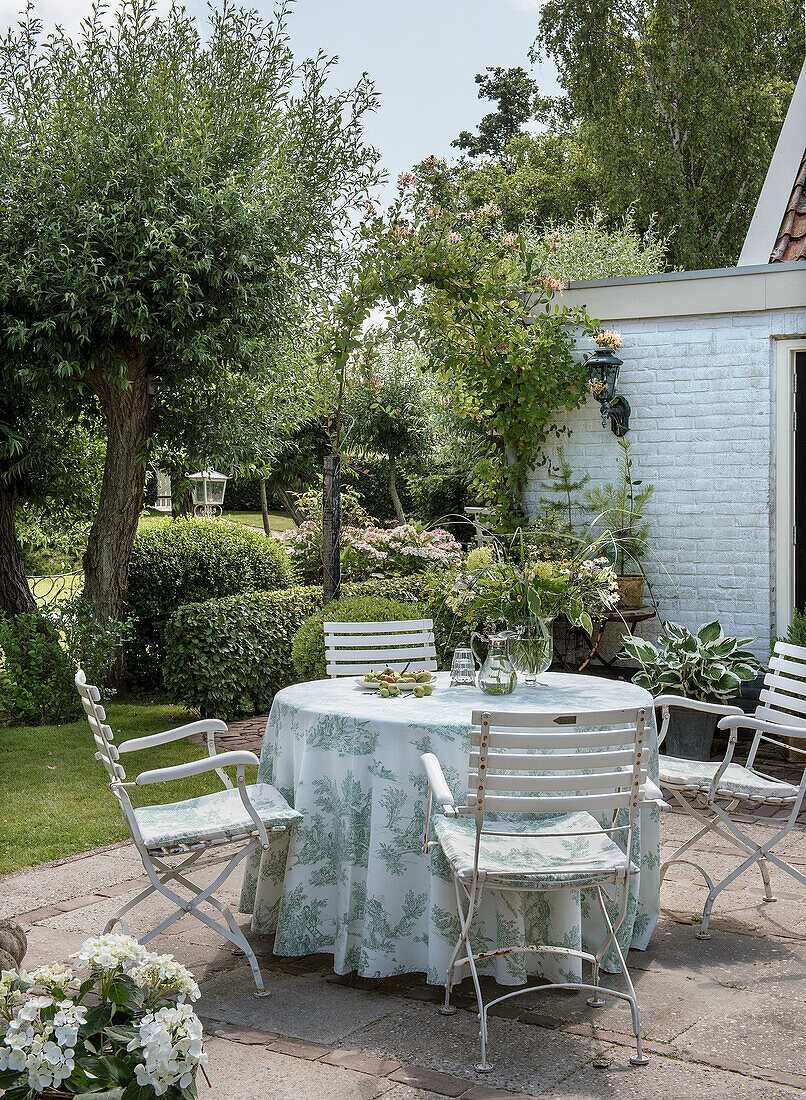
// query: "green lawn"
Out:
[55,795]
[278,521]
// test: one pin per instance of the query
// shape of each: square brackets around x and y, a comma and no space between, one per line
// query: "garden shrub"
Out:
[230,656]
[36,684]
[42,652]
[309,644]
[188,561]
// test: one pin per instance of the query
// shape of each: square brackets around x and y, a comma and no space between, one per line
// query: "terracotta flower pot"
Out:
[631,591]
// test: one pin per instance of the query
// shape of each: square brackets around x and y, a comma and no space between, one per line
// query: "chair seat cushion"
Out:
[544,862]
[736,781]
[212,817]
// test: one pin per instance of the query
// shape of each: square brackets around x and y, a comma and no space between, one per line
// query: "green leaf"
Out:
[710,632]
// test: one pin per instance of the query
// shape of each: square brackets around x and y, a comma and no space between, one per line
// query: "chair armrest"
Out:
[747,721]
[240,758]
[695,704]
[204,725]
[437,789]
[666,701]
[436,780]
[652,795]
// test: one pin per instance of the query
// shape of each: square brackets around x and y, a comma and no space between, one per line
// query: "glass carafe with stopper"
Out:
[497,675]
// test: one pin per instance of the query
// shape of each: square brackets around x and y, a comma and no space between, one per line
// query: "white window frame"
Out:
[785,352]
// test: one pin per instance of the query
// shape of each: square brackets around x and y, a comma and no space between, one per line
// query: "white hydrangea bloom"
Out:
[54,976]
[164,974]
[171,1044]
[111,952]
[44,1048]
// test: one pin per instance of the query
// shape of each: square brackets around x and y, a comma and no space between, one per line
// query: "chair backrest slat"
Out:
[597,769]
[604,761]
[542,742]
[535,784]
[783,701]
[783,697]
[353,649]
[101,733]
[548,804]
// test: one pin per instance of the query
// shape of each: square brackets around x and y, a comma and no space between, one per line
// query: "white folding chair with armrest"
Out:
[567,768]
[353,649]
[193,828]
[781,713]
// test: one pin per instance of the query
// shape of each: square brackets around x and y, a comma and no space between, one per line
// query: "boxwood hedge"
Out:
[228,657]
[187,561]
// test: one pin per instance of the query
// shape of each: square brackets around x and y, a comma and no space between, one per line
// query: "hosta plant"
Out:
[707,666]
[121,1029]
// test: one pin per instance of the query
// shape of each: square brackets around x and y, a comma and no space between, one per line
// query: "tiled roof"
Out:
[791,242]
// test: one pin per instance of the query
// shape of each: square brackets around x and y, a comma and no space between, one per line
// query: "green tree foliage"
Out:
[516,94]
[165,199]
[486,320]
[680,103]
[389,403]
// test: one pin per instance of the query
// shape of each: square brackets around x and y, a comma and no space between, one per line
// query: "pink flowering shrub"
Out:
[398,550]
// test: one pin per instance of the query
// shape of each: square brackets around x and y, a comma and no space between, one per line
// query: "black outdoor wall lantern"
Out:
[603,367]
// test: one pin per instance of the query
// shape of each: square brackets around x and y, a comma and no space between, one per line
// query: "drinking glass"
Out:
[463,667]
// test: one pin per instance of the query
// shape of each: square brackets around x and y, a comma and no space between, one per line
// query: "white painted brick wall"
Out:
[702,391]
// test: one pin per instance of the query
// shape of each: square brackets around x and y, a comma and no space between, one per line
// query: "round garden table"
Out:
[353,881]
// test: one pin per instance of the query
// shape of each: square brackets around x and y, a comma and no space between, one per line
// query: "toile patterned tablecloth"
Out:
[352,880]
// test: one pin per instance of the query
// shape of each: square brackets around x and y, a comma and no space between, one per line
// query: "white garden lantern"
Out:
[208,492]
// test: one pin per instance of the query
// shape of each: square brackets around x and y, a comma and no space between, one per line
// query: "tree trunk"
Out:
[182,497]
[289,504]
[128,422]
[401,515]
[331,529]
[15,595]
[264,508]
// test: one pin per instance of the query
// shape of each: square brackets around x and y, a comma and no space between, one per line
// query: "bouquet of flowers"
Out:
[125,1031]
[510,590]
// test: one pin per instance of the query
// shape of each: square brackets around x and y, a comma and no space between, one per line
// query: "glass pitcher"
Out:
[497,675]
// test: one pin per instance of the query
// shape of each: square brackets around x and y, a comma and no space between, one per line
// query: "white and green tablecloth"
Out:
[353,880]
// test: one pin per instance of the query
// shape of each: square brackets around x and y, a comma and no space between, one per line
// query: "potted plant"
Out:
[620,509]
[122,1031]
[512,588]
[706,666]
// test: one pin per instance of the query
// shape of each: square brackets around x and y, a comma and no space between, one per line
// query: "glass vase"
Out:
[533,650]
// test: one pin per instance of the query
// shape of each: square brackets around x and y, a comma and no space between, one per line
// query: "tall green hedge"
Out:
[187,561]
[229,657]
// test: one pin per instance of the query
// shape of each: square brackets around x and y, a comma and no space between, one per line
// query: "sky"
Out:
[422,54]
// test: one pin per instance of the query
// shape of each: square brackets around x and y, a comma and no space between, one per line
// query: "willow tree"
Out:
[162,196]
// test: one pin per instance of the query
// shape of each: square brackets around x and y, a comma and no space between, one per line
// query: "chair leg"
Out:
[161,874]
[638,1059]
[763,866]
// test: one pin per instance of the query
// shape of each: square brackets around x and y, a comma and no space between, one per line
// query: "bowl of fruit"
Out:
[390,684]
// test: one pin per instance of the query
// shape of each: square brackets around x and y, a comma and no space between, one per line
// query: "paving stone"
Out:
[299,1006]
[251,1073]
[525,1058]
[298,1049]
[666,1079]
[364,1063]
[439,1083]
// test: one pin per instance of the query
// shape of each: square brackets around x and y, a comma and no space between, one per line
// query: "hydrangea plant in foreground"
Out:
[123,1030]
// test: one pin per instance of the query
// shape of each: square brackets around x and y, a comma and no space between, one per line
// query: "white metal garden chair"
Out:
[195,828]
[598,769]
[709,791]
[352,649]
